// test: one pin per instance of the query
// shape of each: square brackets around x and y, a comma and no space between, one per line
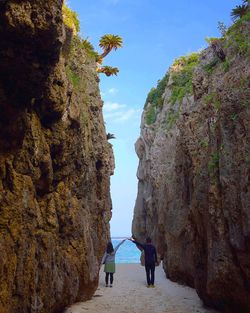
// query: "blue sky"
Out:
[155,32]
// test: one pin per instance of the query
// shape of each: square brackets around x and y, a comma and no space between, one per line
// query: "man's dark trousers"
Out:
[150,271]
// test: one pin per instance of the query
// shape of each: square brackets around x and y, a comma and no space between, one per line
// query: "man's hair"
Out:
[148,240]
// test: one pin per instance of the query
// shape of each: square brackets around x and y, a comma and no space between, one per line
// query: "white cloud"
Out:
[113,115]
[119,113]
[126,115]
[112,91]
[112,106]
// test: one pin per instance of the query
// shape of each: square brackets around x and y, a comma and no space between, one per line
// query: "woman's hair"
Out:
[110,248]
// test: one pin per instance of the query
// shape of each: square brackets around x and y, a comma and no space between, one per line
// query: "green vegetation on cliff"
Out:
[72,71]
[181,85]
[108,43]
[172,116]
[70,19]
[155,95]
[182,73]
[235,40]
[155,100]
[77,44]
[238,37]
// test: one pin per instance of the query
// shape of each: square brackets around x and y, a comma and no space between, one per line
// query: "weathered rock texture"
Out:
[193,191]
[55,163]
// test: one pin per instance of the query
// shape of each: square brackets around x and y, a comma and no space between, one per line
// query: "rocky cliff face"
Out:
[55,162]
[193,191]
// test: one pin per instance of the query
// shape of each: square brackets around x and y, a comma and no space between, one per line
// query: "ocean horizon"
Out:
[127,252]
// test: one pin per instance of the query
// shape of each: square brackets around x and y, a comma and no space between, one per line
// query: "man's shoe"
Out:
[107,285]
[110,286]
[152,286]
[148,286]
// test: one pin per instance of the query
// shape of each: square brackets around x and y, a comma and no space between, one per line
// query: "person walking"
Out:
[150,259]
[109,262]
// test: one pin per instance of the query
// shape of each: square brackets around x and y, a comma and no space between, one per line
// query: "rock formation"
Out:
[193,191]
[55,162]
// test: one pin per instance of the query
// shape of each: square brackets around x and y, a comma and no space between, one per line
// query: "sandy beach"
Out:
[130,294]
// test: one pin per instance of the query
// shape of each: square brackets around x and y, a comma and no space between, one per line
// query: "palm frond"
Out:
[89,48]
[110,41]
[108,70]
[239,11]
[87,45]
[110,136]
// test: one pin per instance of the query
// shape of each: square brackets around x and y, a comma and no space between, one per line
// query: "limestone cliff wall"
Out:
[55,162]
[193,191]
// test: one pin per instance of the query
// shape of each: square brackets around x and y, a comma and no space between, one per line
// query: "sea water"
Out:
[127,252]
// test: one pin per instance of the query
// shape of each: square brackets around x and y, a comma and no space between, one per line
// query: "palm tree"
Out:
[240,10]
[110,136]
[108,70]
[109,42]
[89,48]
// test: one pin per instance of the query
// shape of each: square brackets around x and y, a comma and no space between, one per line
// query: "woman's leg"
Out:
[107,279]
[111,278]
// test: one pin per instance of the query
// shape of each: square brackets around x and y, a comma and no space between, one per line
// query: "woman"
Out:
[109,261]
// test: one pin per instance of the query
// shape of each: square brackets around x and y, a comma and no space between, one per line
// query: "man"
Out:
[150,259]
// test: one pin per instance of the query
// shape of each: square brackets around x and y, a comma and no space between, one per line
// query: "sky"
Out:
[154,32]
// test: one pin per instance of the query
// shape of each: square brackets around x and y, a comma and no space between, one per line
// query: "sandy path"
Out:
[130,295]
